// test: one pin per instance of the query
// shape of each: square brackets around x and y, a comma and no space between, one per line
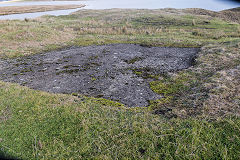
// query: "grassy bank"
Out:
[198,118]
[168,27]
[32,9]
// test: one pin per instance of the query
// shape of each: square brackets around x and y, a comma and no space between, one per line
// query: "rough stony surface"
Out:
[108,71]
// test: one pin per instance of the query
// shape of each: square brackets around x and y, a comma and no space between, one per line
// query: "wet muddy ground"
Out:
[119,72]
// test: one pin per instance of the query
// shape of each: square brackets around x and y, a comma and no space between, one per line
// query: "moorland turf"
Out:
[197,118]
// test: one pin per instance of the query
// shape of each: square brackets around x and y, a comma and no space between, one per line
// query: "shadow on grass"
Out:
[3,156]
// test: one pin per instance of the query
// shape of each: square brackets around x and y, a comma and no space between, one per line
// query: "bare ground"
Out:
[108,71]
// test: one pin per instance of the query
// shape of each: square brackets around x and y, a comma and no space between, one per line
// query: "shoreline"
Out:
[11,1]
[10,10]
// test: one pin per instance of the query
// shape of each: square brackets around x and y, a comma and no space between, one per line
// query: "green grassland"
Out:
[168,27]
[201,103]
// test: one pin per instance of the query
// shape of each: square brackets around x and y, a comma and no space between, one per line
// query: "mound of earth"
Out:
[232,15]
[119,72]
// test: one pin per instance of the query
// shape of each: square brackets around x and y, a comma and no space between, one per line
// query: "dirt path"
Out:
[119,72]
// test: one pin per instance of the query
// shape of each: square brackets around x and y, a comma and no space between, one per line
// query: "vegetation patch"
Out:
[56,126]
[99,27]
[202,89]
[133,60]
[183,95]
[145,73]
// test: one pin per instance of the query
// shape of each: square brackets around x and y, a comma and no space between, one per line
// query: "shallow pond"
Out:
[215,5]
